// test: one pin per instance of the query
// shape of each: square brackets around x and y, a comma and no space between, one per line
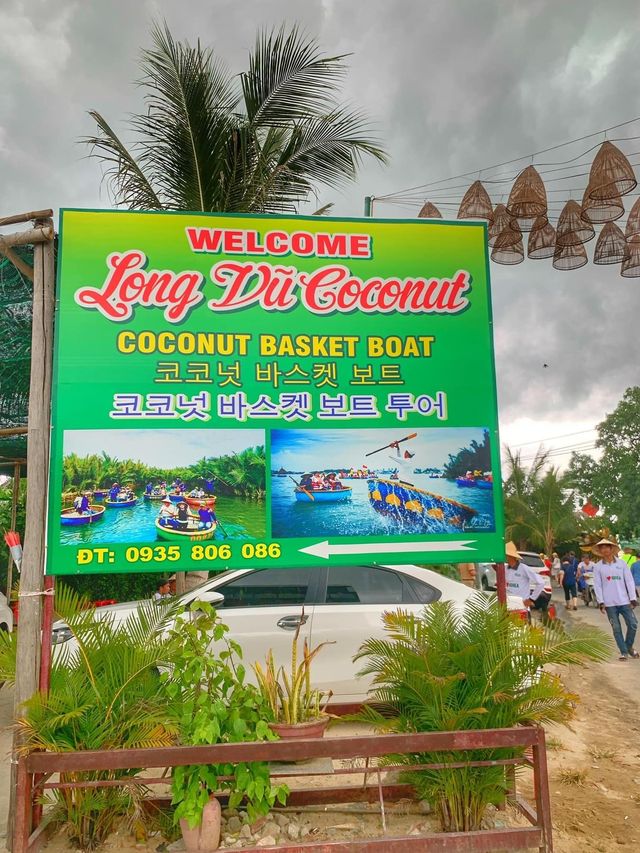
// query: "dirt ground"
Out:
[594,769]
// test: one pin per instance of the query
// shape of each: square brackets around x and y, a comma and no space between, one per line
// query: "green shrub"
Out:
[482,669]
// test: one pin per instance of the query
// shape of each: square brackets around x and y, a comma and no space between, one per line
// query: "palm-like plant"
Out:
[539,506]
[105,694]
[443,671]
[258,142]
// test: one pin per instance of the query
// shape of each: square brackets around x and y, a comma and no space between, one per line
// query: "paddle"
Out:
[221,526]
[306,491]
[393,443]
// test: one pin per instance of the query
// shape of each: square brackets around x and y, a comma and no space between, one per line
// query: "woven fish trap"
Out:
[505,250]
[570,257]
[429,211]
[476,203]
[631,264]
[600,210]
[611,173]
[611,246]
[632,231]
[542,239]
[572,228]
[528,197]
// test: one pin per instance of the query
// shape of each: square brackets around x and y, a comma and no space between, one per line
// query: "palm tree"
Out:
[446,670]
[539,507]
[262,141]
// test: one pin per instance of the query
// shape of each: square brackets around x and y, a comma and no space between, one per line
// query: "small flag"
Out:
[13,541]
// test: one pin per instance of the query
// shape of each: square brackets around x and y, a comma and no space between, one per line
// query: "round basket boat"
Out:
[197,503]
[100,495]
[466,482]
[154,496]
[193,535]
[417,510]
[72,518]
[175,497]
[484,484]
[323,495]
[120,504]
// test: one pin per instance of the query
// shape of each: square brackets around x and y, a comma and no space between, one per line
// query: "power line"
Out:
[554,437]
[518,159]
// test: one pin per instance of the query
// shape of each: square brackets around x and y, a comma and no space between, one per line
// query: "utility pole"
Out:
[368,205]
[32,569]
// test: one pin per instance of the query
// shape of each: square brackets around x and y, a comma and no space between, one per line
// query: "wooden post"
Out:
[180,582]
[14,514]
[32,572]
[501,583]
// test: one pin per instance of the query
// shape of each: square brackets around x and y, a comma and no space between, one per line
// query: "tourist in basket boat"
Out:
[114,492]
[207,517]
[182,515]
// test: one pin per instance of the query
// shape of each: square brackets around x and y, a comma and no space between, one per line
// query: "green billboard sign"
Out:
[236,391]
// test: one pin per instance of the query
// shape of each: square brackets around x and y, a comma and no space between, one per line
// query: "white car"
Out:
[486,574]
[343,604]
[6,614]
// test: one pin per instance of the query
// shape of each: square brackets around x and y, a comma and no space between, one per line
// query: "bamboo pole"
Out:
[23,430]
[39,234]
[26,217]
[15,494]
[19,264]
[32,571]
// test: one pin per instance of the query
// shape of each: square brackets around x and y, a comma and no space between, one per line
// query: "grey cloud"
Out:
[452,86]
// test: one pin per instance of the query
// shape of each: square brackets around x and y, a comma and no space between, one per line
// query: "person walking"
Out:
[568,579]
[635,573]
[616,595]
[521,580]
[555,567]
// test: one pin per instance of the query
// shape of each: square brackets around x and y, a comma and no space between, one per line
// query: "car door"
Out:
[264,607]
[350,605]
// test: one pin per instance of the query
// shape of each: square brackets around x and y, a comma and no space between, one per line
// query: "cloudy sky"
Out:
[454,86]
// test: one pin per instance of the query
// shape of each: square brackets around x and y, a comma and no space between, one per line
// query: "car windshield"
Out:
[532,560]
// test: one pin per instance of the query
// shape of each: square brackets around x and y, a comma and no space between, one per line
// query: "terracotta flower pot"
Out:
[206,835]
[293,731]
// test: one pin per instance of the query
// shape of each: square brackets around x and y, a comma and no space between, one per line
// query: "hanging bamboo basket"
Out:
[476,203]
[528,197]
[501,220]
[631,263]
[508,248]
[572,228]
[542,239]
[611,173]
[611,246]
[597,210]
[632,231]
[527,224]
[429,211]
[570,257]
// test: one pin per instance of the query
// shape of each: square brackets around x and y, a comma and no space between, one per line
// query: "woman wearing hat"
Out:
[616,594]
[182,515]
[167,513]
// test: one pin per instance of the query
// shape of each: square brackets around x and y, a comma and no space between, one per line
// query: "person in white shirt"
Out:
[616,595]
[521,579]
[163,591]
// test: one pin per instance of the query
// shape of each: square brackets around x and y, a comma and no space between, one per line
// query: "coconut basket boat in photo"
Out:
[416,509]
[323,495]
[121,504]
[72,518]
[190,535]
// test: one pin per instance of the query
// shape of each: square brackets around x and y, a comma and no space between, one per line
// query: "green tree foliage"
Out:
[613,482]
[476,457]
[539,506]
[105,694]
[236,474]
[482,669]
[261,141]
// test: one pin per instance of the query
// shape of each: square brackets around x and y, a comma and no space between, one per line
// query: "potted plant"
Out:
[211,703]
[297,710]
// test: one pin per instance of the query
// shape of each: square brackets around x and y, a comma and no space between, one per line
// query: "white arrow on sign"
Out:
[325,550]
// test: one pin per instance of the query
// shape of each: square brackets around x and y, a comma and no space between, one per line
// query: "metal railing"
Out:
[35,771]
